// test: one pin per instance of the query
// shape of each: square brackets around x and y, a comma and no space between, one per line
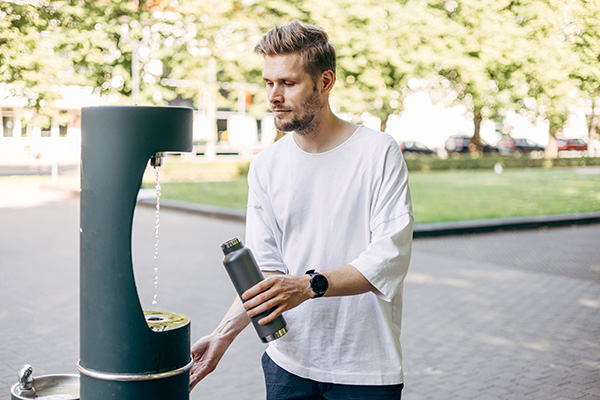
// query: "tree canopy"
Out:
[536,57]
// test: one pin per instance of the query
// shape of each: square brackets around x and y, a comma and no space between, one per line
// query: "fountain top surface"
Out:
[160,321]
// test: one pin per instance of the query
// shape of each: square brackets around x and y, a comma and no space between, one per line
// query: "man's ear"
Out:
[327,80]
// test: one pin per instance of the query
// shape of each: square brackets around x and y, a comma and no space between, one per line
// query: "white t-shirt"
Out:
[349,205]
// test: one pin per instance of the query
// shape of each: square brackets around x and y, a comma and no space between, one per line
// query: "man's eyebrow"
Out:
[282,79]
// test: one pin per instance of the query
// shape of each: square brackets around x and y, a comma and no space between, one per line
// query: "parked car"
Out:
[510,145]
[414,148]
[571,144]
[461,143]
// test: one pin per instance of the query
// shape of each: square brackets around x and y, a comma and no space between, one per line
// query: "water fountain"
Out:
[125,352]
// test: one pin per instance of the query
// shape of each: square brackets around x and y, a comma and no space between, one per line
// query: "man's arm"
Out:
[208,350]
[284,292]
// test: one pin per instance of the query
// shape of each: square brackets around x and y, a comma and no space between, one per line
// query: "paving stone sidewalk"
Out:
[512,315]
[504,316]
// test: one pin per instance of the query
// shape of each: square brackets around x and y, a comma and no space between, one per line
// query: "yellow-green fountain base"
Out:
[160,321]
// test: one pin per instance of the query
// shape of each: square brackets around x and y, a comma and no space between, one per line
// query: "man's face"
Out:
[293,94]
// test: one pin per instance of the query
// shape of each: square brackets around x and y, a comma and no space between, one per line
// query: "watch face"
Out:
[319,284]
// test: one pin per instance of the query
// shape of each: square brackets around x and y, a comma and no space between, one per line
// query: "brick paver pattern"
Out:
[494,316]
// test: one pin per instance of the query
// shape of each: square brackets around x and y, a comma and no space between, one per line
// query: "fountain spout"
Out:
[156,160]
[26,377]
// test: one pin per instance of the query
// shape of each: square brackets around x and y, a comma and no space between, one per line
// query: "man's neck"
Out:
[329,132]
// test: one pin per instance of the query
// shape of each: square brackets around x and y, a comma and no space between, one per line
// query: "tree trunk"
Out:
[475,146]
[591,125]
[552,148]
[383,125]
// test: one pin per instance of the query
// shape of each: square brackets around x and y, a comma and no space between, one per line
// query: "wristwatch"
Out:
[318,283]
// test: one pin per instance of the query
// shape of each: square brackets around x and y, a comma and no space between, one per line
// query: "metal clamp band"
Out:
[115,376]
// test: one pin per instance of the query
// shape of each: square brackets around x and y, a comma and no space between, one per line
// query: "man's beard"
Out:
[305,123]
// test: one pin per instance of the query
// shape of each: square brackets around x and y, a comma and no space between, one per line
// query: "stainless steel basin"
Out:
[49,387]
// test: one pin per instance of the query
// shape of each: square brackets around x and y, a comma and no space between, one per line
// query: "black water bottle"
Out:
[244,273]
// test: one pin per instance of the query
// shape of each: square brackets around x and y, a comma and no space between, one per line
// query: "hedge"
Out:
[428,163]
[488,162]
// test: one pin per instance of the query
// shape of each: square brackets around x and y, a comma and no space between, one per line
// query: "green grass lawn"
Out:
[440,196]
[230,194]
[474,194]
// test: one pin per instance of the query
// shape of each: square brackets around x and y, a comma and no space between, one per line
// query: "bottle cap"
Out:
[231,245]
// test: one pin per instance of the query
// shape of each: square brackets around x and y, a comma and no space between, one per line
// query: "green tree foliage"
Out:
[478,46]
[584,35]
[103,39]
[374,51]
[546,72]
[29,67]
[490,55]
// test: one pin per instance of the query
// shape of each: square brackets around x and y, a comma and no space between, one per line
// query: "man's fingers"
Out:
[270,291]
[258,288]
[257,301]
[200,373]
[280,293]
[195,380]
[206,353]
[193,383]
[263,307]
[274,314]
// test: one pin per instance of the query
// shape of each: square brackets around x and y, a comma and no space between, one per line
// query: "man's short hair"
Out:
[311,42]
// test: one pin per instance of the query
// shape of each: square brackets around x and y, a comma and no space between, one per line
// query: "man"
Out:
[331,197]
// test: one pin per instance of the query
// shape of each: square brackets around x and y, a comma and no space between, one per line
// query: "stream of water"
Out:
[156,230]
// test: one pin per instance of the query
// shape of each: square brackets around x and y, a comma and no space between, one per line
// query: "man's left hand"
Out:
[278,292]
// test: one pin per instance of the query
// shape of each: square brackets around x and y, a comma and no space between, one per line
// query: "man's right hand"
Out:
[208,350]
[206,354]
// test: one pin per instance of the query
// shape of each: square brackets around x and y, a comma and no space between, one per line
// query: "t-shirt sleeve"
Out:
[262,232]
[385,261]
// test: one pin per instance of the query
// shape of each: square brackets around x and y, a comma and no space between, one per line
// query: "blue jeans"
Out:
[281,385]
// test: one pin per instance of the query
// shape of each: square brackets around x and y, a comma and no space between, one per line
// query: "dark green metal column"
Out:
[120,356]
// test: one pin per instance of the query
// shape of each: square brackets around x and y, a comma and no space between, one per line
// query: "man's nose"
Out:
[275,94]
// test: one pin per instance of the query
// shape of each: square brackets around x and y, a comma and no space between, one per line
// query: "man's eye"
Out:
[269,84]
[288,83]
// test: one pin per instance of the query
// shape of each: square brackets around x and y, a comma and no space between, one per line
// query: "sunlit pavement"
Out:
[28,191]
[492,316]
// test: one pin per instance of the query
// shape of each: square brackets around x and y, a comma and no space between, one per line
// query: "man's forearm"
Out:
[347,281]
[236,319]
[282,293]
